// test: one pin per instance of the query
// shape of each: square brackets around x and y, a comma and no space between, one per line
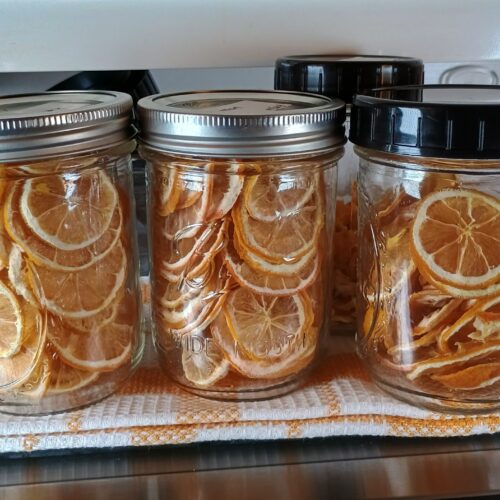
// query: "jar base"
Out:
[241,394]
[439,404]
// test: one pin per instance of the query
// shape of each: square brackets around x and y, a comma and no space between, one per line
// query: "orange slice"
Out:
[268,198]
[465,324]
[456,238]
[187,222]
[81,293]
[69,211]
[166,193]
[102,350]
[203,366]
[463,355]
[46,254]
[16,369]
[284,240]
[38,382]
[190,256]
[190,187]
[462,293]
[195,315]
[65,378]
[269,284]
[279,368]
[19,276]
[473,377]
[437,317]
[260,264]
[11,323]
[267,327]
[172,295]
[92,324]
[225,189]
[487,325]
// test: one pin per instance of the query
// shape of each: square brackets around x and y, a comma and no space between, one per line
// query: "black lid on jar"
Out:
[345,75]
[442,121]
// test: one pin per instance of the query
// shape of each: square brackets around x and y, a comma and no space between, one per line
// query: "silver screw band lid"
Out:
[241,122]
[48,124]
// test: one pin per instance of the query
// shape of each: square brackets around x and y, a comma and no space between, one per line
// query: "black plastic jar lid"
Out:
[442,121]
[345,75]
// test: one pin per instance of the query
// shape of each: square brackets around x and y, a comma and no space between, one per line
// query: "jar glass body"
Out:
[429,247]
[69,280]
[345,242]
[240,252]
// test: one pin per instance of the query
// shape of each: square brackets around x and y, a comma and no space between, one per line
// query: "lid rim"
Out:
[240,121]
[432,128]
[53,129]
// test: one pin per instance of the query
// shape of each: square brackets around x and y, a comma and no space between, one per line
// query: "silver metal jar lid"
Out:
[241,122]
[50,124]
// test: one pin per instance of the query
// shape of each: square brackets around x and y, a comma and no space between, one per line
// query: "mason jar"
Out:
[342,76]
[70,309]
[429,264]
[241,189]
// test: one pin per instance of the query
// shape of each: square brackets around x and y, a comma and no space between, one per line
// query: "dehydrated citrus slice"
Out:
[187,222]
[94,323]
[101,350]
[225,189]
[190,186]
[165,189]
[462,293]
[18,275]
[269,284]
[44,253]
[290,364]
[429,338]
[38,382]
[465,324]
[260,264]
[189,257]
[456,238]
[487,325]
[464,354]
[11,323]
[69,211]
[271,197]
[200,318]
[284,240]
[473,377]
[83,293]
[16,369]
[203,366]
[438,316]
[65,378]
[267,327]
[172,295]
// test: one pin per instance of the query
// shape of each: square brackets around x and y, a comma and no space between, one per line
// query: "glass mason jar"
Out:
[241,187]
[429,265]
[342,76]
[69,299]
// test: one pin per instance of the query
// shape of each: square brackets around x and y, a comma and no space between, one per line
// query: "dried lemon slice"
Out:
[278,368]
[104,349]
[203,366]
[456,238]
[46,254]
[267,327]
[11,323]
[16,369]
[69,211]
[284,240]
[81,293]
[270,197]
